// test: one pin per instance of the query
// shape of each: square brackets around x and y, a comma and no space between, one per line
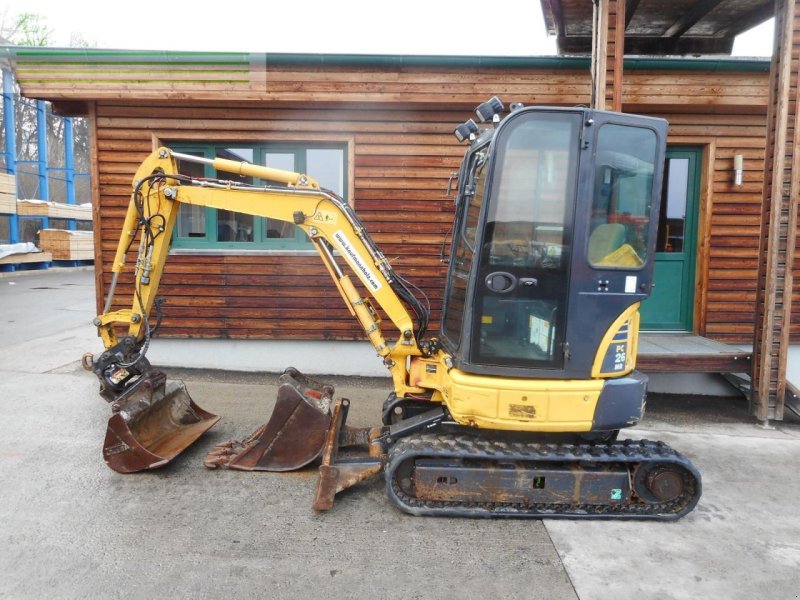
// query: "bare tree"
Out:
[30,29]
[26,29]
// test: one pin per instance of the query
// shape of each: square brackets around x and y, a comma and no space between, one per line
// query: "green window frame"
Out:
[261,238]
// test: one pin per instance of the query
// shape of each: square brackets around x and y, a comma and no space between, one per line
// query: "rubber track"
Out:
[625,452]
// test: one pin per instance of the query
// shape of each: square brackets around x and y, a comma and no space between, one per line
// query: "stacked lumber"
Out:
[8,193]
[32,208]
[81,212]
[26,257]
[67,245]
[55,210]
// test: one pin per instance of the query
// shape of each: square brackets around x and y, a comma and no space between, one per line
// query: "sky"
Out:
[443,27]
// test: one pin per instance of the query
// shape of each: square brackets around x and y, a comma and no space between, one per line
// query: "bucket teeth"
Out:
[293,437]
[222,454]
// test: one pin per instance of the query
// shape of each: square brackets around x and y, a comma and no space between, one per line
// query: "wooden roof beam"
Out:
[690,18]
[554,17]
[630,9]
[70,108]
[653,45]
[749,20]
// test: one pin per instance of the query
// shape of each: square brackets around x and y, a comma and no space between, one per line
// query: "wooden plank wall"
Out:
[616,54]
[400,124]
[774,302]
[729,223]
[402,163]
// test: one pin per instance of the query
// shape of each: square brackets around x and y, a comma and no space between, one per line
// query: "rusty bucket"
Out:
[153,422]
[293,437]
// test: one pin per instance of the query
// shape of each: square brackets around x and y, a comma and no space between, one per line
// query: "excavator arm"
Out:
[328,221]
[155,419]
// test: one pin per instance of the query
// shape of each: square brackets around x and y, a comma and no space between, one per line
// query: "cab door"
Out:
[521,286]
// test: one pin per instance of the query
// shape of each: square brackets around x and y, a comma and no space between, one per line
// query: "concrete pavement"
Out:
[71,528]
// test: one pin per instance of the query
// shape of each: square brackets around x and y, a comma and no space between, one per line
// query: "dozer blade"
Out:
[293,437]
[153,422]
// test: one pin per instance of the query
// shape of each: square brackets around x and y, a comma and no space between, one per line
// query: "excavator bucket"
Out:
[293,437]
[153,422]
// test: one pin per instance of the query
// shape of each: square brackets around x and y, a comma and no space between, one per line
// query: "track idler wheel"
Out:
[657,484]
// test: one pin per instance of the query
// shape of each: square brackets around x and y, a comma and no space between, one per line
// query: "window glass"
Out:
[464,245]
[200,227]
[273,228]
[191,219]
[672,221]
[326,165]
[231,226]
[623,193]
[279,160]
[522,283]
[526,221]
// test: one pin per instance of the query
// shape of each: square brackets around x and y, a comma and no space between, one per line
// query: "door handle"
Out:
[528,281]
[501,282]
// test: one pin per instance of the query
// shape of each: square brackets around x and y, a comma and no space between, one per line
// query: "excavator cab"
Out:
[554,238]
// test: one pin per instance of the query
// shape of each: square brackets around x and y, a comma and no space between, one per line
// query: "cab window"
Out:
[623,194]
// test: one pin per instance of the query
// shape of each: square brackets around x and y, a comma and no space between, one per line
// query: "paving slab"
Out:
[741,542]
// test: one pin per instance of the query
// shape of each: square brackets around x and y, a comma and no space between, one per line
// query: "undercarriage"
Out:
[434,466]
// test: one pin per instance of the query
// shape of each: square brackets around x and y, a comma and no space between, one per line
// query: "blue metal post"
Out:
[69,164]
[10,150]
[41,144]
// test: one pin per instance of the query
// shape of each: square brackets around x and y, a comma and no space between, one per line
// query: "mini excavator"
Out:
[513,409]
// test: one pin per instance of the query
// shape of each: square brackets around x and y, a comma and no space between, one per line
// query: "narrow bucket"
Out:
[153,423]
[293,437]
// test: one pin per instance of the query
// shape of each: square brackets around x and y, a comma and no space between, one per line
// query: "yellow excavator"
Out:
[513,409]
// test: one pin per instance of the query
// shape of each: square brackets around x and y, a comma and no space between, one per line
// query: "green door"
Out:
[671,305]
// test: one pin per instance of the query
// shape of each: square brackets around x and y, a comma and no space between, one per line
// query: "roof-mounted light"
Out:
[489,109]
[465,130]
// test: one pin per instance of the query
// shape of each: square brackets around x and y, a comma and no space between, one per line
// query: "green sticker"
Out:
[616,494]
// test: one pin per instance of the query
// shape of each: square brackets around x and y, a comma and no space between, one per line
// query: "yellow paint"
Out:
[509,403]
[268,173]
[487,320]
[631,317]
[325,216]
[521,404]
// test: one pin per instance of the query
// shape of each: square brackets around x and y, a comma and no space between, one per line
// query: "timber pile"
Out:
[32,208]
[8,193]
[55,210]
[67,245]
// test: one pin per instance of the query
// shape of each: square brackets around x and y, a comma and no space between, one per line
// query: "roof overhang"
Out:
[660,27]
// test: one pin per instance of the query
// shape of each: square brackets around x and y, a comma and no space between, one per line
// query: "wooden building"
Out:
[379,128]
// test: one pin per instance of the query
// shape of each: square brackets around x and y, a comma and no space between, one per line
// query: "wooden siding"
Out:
[366,85]
[402,162]
[777,247]
[729,227]
[400,123]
